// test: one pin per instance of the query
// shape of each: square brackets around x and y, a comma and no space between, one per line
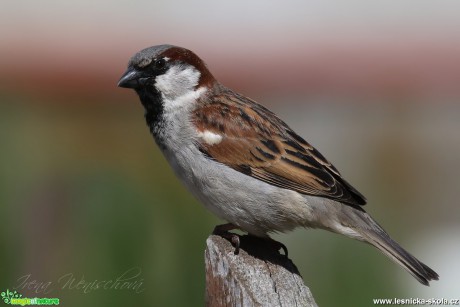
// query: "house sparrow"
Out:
[244,163]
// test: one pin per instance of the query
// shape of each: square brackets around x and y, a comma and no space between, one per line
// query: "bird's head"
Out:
[166,71]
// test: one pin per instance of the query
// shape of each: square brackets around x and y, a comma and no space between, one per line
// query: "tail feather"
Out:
[374,234]
[394,251]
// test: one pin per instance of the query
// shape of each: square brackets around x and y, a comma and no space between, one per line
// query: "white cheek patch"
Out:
[209,137]
[177,81]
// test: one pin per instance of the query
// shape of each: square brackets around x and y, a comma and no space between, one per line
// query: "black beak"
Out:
[130,79]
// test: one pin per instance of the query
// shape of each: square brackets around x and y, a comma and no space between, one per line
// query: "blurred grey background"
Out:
[84,190]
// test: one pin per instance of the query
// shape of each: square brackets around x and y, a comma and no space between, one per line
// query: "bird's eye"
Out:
[160,63]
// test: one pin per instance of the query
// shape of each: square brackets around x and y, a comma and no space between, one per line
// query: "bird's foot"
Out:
[224,231]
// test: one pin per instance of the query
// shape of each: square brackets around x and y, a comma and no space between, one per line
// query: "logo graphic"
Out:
[8,296]
[15,298]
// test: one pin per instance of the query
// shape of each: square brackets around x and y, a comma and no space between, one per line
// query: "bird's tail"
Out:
[376,236]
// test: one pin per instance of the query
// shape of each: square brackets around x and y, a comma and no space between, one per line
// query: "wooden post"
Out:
[258,276]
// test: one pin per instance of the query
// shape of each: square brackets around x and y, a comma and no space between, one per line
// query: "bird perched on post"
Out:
[244,163]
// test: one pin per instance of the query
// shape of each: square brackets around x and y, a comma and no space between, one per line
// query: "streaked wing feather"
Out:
[259,144]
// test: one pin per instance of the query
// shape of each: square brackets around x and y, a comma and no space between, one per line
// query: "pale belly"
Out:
[253,205]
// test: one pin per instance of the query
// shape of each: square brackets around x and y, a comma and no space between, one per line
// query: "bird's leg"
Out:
[223,231]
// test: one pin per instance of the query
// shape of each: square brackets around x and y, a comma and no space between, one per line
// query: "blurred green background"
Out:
[84,191]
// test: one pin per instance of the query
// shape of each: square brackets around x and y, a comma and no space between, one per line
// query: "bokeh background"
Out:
[85,191]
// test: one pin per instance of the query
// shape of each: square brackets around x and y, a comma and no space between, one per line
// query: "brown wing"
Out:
[259,144]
